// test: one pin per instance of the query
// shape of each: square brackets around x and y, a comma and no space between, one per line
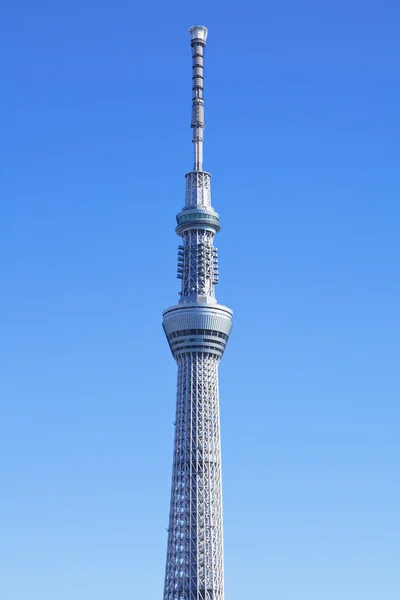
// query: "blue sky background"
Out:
[302,139]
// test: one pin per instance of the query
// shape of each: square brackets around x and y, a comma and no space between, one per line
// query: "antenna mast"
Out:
[199,38]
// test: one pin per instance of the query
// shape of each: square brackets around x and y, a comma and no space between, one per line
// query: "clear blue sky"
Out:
[302,139]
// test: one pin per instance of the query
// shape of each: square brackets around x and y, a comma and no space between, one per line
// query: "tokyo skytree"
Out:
[197,330]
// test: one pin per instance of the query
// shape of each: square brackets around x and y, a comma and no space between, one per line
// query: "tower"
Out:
[197,330]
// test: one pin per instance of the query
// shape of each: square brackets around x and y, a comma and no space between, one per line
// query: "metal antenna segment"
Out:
[199,38]
[197,330]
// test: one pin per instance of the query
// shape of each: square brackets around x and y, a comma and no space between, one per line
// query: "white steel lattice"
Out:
[198,263]
[198,189]
[195,548]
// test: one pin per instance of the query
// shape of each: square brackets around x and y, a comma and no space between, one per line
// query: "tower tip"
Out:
[199,32]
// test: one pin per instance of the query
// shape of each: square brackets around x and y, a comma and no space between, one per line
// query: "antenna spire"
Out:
[199,37]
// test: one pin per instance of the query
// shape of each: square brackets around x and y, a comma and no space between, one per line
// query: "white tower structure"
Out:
[197,329]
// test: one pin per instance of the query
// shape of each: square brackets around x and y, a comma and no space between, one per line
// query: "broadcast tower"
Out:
[197,329]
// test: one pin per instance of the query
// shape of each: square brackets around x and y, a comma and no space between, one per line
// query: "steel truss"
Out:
[195,548]
[198,263]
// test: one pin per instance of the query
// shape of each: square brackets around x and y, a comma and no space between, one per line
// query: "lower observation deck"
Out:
[197,328]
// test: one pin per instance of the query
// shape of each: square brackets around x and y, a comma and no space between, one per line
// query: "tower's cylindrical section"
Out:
[194,568]
[197,335]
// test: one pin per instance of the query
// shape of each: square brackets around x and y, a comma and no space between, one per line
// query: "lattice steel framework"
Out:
[197,330]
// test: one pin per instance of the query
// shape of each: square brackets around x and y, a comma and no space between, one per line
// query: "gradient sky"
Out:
[302,139]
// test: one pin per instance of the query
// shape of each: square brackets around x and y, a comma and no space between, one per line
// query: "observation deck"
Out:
[197,328]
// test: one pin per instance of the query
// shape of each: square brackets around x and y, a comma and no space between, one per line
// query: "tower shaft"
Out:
[195,552]
[197,330]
